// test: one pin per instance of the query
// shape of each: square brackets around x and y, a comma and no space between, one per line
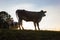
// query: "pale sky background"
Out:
[50,22]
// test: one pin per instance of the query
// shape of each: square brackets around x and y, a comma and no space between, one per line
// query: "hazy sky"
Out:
[50,22]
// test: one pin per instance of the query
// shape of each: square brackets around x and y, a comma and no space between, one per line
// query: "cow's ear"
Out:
[41,11]
[45,11]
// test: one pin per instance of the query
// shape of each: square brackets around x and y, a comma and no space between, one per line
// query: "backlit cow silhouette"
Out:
[35,17]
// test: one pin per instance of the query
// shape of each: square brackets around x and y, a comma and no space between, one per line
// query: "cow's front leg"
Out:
[35,25]
[38,26]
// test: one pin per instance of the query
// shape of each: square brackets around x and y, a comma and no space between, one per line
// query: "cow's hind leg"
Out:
[21,24]
[38,26]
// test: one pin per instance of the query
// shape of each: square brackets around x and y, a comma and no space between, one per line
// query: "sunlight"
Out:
[18,28]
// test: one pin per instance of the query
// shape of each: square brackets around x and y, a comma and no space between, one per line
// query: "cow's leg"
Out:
[20,20]
[35,25]
[38,26]
[21,25]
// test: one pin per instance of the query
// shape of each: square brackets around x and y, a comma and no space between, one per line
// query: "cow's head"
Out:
[43,13]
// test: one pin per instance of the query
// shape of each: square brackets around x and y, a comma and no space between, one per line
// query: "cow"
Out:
[33,16]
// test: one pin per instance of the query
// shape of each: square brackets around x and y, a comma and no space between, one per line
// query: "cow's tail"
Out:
[17,16]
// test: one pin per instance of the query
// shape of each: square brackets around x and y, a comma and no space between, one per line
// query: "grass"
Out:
[6,34]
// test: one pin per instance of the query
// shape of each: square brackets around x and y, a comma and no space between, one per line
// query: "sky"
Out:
[50,22]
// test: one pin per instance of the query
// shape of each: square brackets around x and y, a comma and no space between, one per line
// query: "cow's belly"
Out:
[28,19]
[35,20]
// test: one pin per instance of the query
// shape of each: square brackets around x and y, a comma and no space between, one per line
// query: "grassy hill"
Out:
[6,34]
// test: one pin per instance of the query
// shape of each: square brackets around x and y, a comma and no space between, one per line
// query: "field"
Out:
[6,34]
